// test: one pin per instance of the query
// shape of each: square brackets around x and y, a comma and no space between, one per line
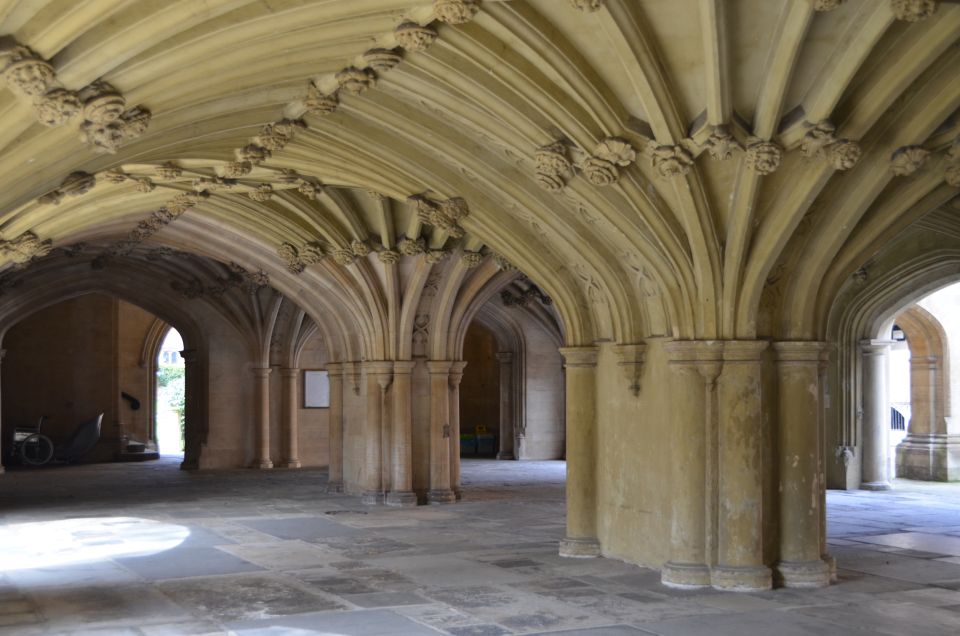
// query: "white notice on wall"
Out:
[316,389]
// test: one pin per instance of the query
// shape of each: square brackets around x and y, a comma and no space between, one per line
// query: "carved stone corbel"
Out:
[456,11]
[630,360]
[913,10]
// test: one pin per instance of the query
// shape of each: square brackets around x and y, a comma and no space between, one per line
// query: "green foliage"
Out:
[172,391]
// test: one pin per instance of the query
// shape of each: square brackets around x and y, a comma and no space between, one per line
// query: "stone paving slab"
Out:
[360,623]
[272,553]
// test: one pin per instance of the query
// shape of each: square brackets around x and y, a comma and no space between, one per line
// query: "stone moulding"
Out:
[671,161]
[382,59]
[821,142]
[503,264]
[601,168]
[587,6]
[414,37]
[471,260]
[630,358]
[105,122]
[445,215]
[412,247]
[763,157]
[907,160]
[552,166]
[913,10]
[456,11]
[25,247]
[721,143]
[74,185]
[826,5]
[355,80]
[318,103]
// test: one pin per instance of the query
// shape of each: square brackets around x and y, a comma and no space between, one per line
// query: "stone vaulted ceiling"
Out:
[691,168]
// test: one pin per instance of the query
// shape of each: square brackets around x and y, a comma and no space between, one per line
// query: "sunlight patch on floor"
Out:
[41,544]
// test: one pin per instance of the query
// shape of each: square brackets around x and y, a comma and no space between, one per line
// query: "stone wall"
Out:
[61,363]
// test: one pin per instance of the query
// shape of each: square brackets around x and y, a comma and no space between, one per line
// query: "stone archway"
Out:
[92,363]
[924,454]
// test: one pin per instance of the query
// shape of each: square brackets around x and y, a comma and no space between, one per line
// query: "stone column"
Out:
[740,531]
[3,352]
[291,408]
[335,422]
[456,375]
[929,452]
[822,471]
[262,382]
[695,366]
[506,405]
[401,493]
[801,498]
[378,374]
[440,431]
[581,397]
[876,415]
[192,414]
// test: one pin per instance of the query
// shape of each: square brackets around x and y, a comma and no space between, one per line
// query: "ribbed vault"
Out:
[685,164]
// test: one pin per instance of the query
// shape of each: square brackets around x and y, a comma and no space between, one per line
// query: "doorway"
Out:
[170,418]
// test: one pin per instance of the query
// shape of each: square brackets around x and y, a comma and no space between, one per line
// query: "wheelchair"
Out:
[31,446]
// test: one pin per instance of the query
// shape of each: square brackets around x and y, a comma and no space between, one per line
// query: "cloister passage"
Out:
[149,548]
[676,233]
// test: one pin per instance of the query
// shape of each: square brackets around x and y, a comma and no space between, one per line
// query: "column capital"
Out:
[3,352]
[702,356]
[438,367]
[456,372]
[869,346]
[504,356]
[404,367]
[290,372]
[800,351]
[744,350]
[261,372]
[630,359]
[377,367]
[334,369]
[189,356]
[694,351]
[580,356]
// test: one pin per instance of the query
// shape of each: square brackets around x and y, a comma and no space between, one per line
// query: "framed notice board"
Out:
[316,390]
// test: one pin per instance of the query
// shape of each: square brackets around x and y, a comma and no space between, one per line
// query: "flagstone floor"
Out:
[116,549]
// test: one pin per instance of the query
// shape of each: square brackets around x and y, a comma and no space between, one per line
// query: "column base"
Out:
[335,486]
[875,485]
[807,574]
[189,465]
[505,455]
[741,579]
[441,496]
[685,576]
[293,463]
[371,497]
[262,464]
[457,494]
[831,566]
[934,457]
[401,499]
[583,548]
